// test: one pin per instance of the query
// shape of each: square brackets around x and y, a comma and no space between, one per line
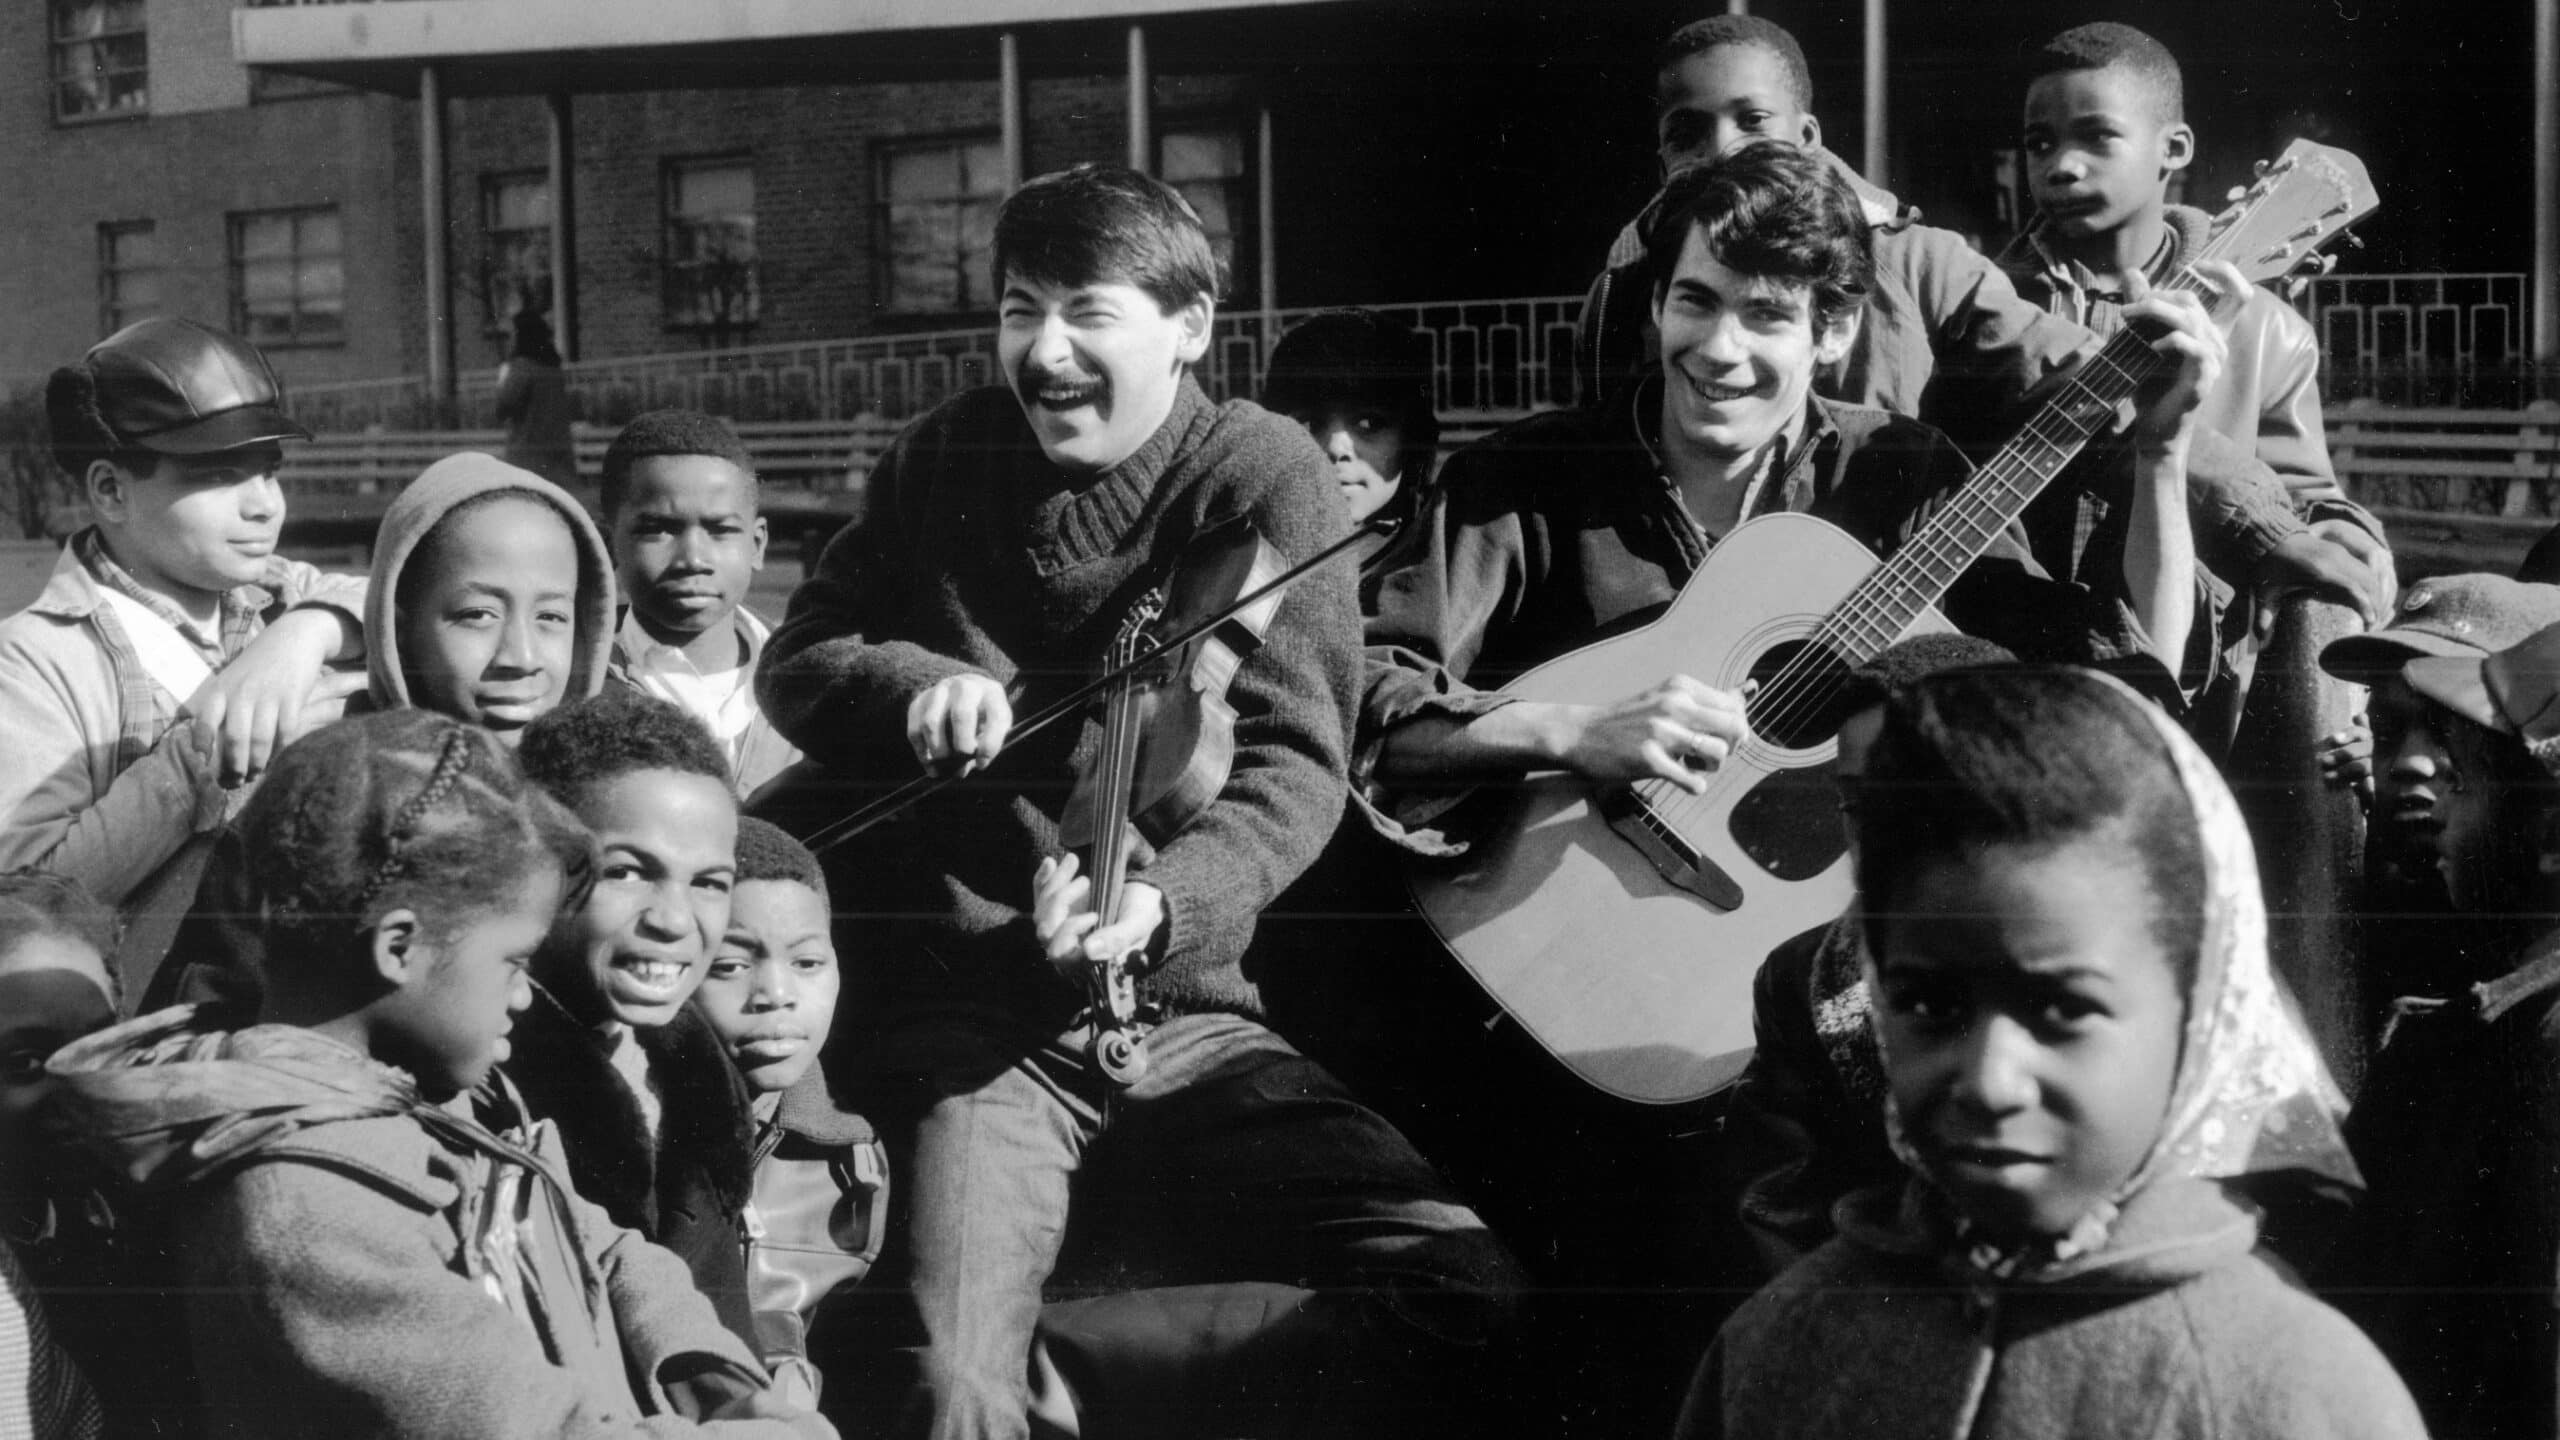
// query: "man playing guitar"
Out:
[1573,525]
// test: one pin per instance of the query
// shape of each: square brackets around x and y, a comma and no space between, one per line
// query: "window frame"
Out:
[671,170]
[237,263]
[56,76]
[1244,260]
[113,313]
[884,156]
[494,320]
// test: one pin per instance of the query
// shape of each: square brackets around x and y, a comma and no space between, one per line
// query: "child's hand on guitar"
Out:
[1680,731]
[2192,331]
[1069,931]
[959,723]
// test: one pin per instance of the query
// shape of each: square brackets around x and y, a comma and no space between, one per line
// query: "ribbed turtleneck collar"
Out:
[1100,508]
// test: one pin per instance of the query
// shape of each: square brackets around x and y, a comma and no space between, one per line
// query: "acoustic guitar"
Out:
[1621,926]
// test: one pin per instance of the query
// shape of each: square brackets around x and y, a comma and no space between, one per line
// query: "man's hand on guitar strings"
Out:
[959,724]
[1070,933]
[1680,730]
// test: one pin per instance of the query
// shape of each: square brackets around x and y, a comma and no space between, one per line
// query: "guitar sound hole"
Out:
[1798,704]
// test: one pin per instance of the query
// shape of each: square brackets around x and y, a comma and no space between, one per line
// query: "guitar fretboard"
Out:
[1926,566]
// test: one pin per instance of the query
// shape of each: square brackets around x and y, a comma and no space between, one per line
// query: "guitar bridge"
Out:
[1673,858]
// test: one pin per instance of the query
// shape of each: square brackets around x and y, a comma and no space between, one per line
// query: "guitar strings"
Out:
[1808,681]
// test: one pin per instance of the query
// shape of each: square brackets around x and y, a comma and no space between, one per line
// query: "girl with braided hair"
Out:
[350,1251]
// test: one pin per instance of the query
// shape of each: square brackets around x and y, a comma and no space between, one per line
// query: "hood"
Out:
[2166,1234]
[2251,1095]
[432,496]
[166,1105]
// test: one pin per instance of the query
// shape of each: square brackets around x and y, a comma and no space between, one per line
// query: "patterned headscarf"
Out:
[2251,1094]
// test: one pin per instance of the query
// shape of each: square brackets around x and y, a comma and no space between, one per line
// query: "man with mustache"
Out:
[1008,534]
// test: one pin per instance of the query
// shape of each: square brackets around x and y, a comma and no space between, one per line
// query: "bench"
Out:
[2459,489]
[813,473]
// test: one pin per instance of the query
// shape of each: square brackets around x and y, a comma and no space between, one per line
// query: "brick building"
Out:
[782,184]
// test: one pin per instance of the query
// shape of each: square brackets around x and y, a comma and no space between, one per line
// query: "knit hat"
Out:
[2514,692]
[171,386]
[2459,615]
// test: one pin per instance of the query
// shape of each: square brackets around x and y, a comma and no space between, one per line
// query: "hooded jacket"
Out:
[2175,1328]
[215,958]
[355,1261]
[2153,1316]
[432,496]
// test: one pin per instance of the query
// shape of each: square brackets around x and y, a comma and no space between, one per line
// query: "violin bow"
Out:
[835,833]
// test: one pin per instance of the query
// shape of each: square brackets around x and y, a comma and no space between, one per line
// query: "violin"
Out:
[1166,746]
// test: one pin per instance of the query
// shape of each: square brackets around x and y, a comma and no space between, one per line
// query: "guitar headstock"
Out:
[2300,202]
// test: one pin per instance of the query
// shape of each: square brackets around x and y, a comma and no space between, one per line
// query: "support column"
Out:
[1266,224]
[564,227]
[1737,7]
[439,246]
[1142,104]
[1872,160]
[1009,106]
[2546,181]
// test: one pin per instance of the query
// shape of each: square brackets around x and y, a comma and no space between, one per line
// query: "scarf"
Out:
[2251,1094]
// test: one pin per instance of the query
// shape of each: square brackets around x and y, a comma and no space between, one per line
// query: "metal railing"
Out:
[2434,339]
[1497,357]
[2426,339]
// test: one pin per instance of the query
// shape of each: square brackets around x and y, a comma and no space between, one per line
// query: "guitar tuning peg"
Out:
[2328,263]
[2280,252]
[2238,194]
[2259,167]
[2294,285]
[2355,239]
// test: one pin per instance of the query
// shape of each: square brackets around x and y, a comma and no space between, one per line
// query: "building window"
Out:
[128,274]
[940,200]
[710,257]
[515,255]
[101,66]
[1208,166]
[288,277]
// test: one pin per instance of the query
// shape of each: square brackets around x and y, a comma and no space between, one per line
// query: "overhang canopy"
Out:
[498,47]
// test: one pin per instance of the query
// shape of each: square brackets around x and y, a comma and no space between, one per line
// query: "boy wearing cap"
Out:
[172,606]
[2451,1259]
[2454,615]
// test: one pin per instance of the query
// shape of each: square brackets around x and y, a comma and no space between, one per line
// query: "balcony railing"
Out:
[1491,358]
[2451,339]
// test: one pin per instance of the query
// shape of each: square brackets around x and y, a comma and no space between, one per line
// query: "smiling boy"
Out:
[681,505]
[1949,339]
[1008,534]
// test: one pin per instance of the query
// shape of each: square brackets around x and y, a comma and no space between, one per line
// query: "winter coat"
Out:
[2176,1328]
[687,1189]
[353,1261]
[816,1224]
[98,780]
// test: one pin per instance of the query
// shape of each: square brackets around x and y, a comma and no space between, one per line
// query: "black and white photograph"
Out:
[1280,719]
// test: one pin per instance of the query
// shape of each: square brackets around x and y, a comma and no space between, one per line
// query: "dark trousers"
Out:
[1234,1159]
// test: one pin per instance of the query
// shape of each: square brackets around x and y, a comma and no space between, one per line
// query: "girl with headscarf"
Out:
[2087,1060]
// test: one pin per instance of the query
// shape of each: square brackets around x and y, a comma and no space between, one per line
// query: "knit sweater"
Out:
[2174,1328]
[977,554]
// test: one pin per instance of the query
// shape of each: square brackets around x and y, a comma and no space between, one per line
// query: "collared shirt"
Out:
[723,700]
